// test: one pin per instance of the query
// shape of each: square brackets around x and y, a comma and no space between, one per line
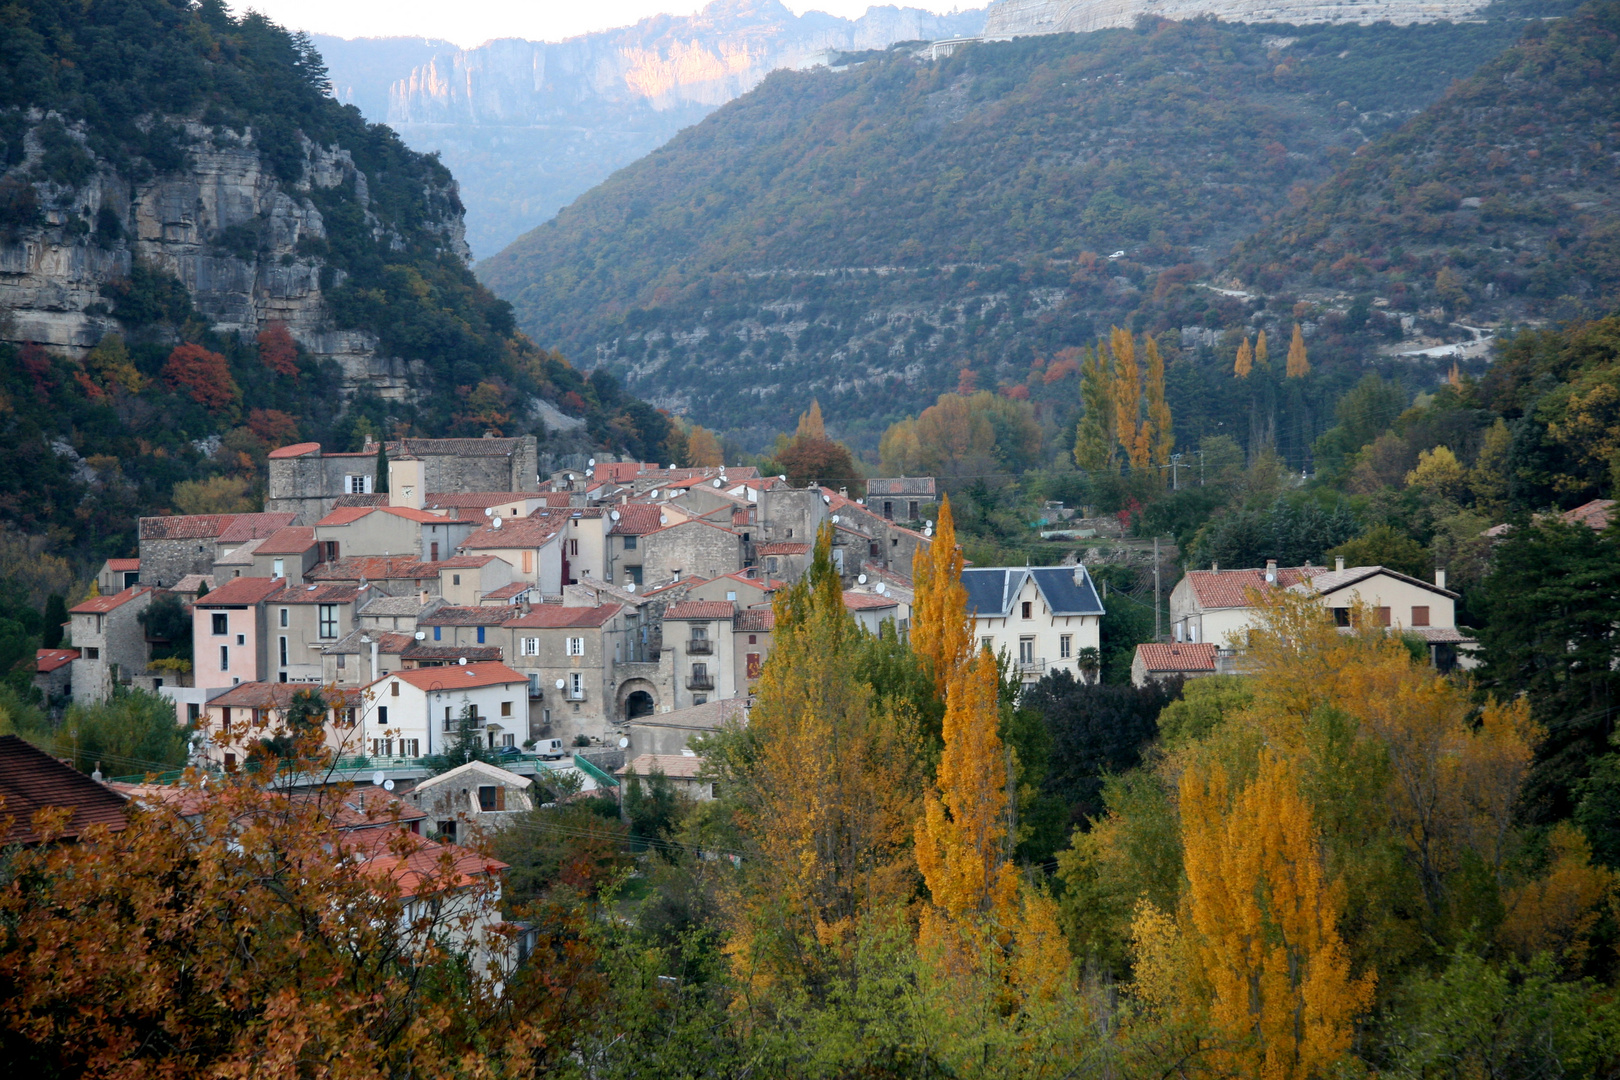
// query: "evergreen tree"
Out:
[55,616]
[381,485]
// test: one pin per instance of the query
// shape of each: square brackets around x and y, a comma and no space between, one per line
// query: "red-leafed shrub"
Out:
[202,374]
[275,427]
[278,351]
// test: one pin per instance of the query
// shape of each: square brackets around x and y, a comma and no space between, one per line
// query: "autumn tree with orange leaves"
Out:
[204,376]
[940,634]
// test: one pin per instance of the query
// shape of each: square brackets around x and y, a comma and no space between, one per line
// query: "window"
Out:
[753,665]
[700,699]
[359,485]
[283,644]
[225,719]
[913,516]
[480,635]
[342,661]
[634,574]
[433,552]
[131,577]
[222,623]
[573,546]
[534,684]
[449,721]
[888,509]
[224,658]
[1341,616]
[230,762]
[506,708]
[455,579]
[382,715]
[91,652]
[508,740]
[629,543]
[987,644]
[438,632]
[410,748]
[489,797]
[1027,609]
[329,620]
[393,689]
[1066,646]
[701,633]
[576,646]
[1420,616]
[1026,650]
[278,568]
[447,829]
[576,686]
[753,639]
[285,618]
[1383,616]
[529,646]
[731,596]
[241,639]
[528,562]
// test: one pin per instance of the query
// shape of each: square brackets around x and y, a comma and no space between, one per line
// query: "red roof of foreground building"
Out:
[553,617]
[296,450]
[100,605]
[1181,656]
[701,609]
[31,780]
[49,660]
[468,676]
[123,564]
[1231,588]
[242,592]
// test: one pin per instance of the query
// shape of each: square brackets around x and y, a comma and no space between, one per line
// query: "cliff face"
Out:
[528,126]
[244,244]
[1015,18]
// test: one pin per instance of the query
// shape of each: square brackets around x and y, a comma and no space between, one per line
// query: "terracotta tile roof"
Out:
[299,593]
[387,642]
[708,716]
[1230,588]
[554,616]
[903,486]
[1595,514]
[635,519]
[185,526]
[292,540]
[764,584]
[242,592]
[124,565]
[254,527]
[449,615]
[676,766]
[755,620]
[348,515]
[1182,656]
[277,695]
[529,532]
[707,610]
[31,780]
[374,568]
[486,447]
[475,500]
[375,499]
[510,592]
[1439,635]
[788,548]
[191,583]
[100,605]
[465,562]
[420,651]
[470,675]
[48,660]
[296,450]
[429,864]
[865,601]
[382,604]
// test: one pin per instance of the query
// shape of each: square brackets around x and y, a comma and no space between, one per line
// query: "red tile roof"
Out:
[296,450]
[678,766]
[277,695]
[429,865]
[458,675]
[123,564]
[291,540]
[100,605]
[421,652]
[375,568]
[299,593]
[242,592]
[701,610]
[1182,656]
[1594,514]
[529,532]
[635,519]
[247,527]
[1231,588]
[31,780]
[755,620]
[475,500]
[764,584]
[348,515]
[508,592]
[863,601]
[185,526]
[48,660]
[554,616]
[464,562]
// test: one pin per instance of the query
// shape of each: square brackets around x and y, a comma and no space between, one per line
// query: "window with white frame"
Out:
[1026,650]
[285,618]
[1066,646]
[576,646]
[329,620]
[359,485]
[576,685]
[529,646]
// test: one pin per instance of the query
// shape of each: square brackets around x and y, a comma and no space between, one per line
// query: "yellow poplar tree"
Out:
[1256,952]
[940,631]
[1158,409]
[1134,433]
[1096,440]
[1262,352]
[1245,359]
[1298,365]
[810,423]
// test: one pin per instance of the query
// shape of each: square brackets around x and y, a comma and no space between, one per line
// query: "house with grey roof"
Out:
[1045,617]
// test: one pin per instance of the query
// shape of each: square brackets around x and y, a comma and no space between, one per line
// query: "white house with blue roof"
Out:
[1043,616]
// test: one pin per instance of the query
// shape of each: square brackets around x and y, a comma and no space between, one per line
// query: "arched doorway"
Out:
[638,704]
[636,698]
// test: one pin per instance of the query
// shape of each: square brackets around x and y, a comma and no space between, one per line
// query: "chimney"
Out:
[1338,563]
[374,675]
[1271,571]
[1214,567]
[1440,578]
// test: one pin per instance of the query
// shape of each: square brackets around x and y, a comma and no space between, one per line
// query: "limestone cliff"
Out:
[243,242]
[1018,18]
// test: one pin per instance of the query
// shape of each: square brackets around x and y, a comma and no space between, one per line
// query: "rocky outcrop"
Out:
[235,235]
[1018,18]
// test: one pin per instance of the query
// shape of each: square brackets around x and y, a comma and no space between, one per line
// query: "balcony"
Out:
[700,682]
[700,647]
[1032,666]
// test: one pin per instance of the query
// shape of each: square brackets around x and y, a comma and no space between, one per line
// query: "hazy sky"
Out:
[472,22]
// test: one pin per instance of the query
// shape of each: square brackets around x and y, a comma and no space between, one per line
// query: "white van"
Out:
[550,749]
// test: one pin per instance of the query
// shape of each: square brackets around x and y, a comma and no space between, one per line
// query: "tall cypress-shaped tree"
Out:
[939,629]
[1135,433]
[1096,440]
[381,485]
[55,615]
[1299,365]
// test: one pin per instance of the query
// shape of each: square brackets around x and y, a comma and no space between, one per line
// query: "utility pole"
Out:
[1175,472]
[1155,588]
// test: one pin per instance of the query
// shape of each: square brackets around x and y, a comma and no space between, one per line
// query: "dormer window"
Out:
[1028,609]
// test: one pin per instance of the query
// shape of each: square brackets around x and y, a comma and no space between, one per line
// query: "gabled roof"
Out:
[696,521]
[254,527]
[635,519]
[529,532]
[291,540]
[757,620]
[185,526]
[904,486]
[511,591]
[241,555]
[31,780]
[1594,514]
[48,660]
[701,610]
[242,592]
[458,675]
[865,601]
[1067,590]
[1329,581]
[475,768]
[1230,588]
[123,565]
[297,593]
[763,584]
[555,616]
[374,568]
[348,515]
[1181,656]
[100,605]
[449,615]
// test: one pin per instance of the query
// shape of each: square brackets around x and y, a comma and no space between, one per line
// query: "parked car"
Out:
[550,749]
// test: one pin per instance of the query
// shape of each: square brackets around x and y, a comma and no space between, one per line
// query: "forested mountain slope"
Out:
[1501,201]
[203,256]
[864,235]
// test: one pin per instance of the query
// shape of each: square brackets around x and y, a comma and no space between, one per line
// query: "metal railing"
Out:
[700,647]
[700,682]
[1037,663]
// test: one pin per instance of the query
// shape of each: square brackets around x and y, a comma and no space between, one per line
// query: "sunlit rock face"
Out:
[1015,18]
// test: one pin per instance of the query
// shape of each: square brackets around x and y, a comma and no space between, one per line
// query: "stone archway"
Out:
[636,698]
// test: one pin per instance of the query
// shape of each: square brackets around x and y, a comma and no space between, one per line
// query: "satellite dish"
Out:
[663,519]
[827,499]
[861,580]
[672,466]
[497,523]
[570,478]
[377,777]
[654,494]
[591,463]
[613,515]
[882,588]
[420,635]
[489,511]
[462,661]
[835,519]
[388,785]
[629,586]
[783,476]
[717,483]
[559,684]
[624,743]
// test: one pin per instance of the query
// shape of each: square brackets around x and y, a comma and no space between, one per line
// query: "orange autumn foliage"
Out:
[277,350]
[204,376]
[940,632]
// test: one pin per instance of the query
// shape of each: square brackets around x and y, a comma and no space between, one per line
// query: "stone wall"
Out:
[166,561]
[694,548]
